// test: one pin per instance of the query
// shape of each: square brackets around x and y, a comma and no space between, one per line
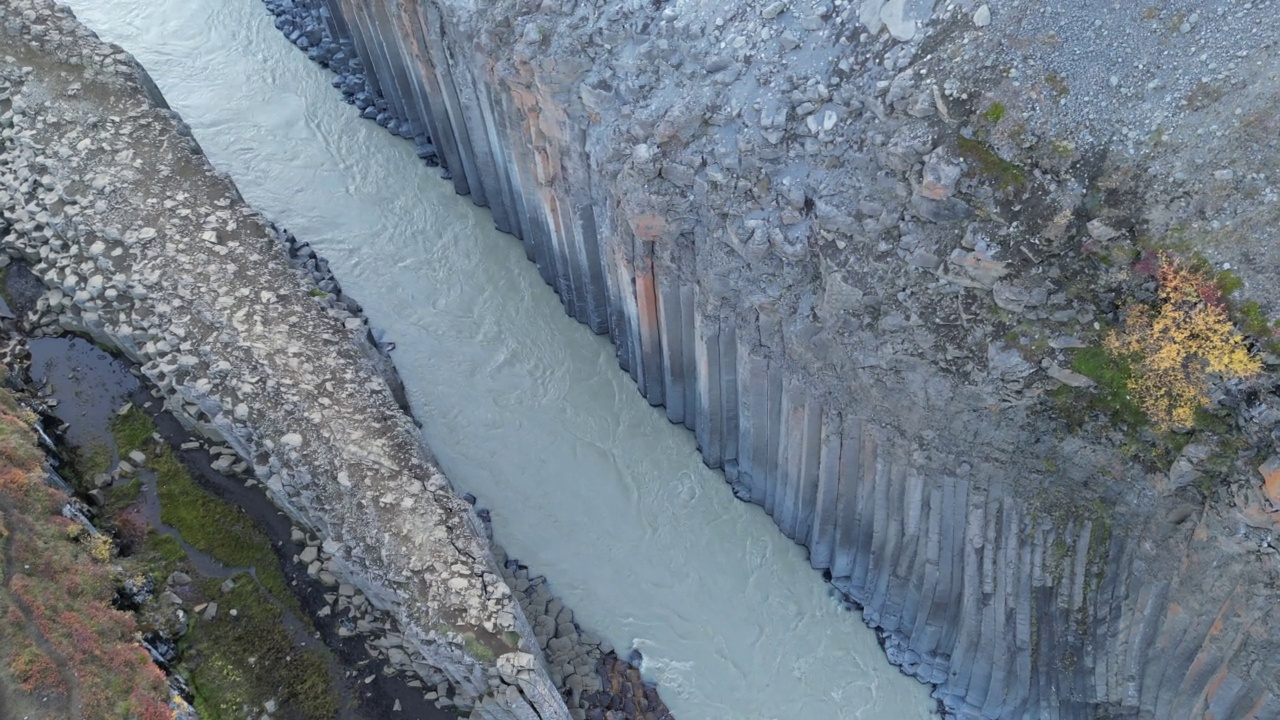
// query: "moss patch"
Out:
[1057,84]
[477,649]
[85,462]
[213,525]
[240,661]
[4,285]
[988,165]
[122,496]
[160,555]
[132,431]
[1113,373]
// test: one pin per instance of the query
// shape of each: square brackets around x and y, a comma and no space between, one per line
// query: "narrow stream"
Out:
[523,407]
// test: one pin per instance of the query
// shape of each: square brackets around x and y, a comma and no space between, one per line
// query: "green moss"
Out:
[7,400]
[317,292]
[1103,518]
[988,165]
[247,659]
[232,662]
[4,285]
[1112,373]
[477,649]
[160,554]
[1252,321]
[994,113]
[97,459]
[132,431]
[213,525]
[1228,282]
[122,496]
[86,462]
[1058,555]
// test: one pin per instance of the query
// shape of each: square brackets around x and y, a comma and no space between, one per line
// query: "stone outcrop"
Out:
[146,249]
[819,248]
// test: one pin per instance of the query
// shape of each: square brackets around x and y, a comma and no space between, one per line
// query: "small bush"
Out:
[1177,345]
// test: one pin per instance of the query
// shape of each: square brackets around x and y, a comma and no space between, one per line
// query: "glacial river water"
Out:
[523,407]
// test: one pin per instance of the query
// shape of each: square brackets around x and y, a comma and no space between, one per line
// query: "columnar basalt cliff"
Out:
[148,250]
[850,245]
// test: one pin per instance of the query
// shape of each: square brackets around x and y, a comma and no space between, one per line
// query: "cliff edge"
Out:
[865,251]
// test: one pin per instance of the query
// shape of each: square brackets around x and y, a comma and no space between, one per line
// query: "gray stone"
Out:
[941,211]
[1068,377]
[1099,230]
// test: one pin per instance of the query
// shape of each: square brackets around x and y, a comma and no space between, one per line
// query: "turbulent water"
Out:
[523,407]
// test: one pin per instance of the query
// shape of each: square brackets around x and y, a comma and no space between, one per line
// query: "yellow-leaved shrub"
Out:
[1178,344]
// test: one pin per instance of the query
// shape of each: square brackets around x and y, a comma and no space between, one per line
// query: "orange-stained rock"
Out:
[648,227]
[1271,479]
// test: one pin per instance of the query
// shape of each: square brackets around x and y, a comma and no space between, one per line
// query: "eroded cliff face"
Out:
[846,245]
[145,248]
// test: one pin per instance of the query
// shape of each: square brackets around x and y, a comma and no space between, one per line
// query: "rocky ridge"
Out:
[854,246]
[146,249]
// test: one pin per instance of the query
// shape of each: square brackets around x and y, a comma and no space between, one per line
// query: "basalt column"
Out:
[619,153]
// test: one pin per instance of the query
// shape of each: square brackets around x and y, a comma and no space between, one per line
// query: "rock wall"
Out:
[146,249]
[763,205]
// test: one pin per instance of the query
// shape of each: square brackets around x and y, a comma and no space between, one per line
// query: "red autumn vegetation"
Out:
[61,641]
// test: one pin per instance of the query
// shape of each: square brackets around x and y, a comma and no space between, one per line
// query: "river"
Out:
[523,407]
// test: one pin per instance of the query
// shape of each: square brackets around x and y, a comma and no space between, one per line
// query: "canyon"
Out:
[854,248]
[780,250]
